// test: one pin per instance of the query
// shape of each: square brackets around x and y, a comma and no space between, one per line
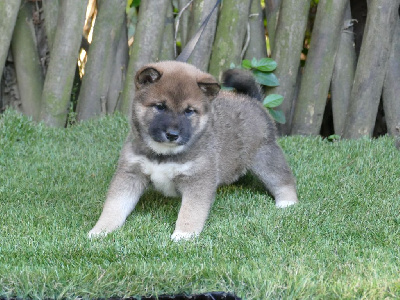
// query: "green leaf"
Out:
[277,115]
[273,100]
[254,63]
[266,65]
[246,64]
[268,79]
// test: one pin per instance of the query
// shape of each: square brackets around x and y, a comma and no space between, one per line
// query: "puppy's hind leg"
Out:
[270,166]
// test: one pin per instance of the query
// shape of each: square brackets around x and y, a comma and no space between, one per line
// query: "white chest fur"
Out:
[162,175]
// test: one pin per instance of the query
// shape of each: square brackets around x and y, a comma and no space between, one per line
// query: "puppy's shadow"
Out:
[251,182]
[153,201]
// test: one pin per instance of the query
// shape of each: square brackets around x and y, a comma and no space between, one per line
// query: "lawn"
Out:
[342,241]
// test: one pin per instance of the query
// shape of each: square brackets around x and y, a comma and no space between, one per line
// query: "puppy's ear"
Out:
[209,86]
[146,75]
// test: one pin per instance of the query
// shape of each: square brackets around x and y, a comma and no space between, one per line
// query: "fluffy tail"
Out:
[243,82]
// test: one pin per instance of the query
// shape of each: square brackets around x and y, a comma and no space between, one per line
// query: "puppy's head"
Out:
[172,105]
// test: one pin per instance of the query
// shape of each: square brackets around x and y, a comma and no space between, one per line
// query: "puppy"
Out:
[187,138]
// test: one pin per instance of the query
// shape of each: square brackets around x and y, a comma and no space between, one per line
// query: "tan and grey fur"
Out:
[187,138]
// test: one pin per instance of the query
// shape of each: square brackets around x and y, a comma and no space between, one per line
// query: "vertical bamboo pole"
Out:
[61,71]
[317,74]
[371,68]
[257,47]
[101,57]
[343,74]
[146,47]
[272,8]
[391,86]
[27,63]
[8,17]
[288,44]
[201,53]
[227,49]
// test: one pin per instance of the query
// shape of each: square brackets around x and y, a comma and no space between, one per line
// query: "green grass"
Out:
[341,242]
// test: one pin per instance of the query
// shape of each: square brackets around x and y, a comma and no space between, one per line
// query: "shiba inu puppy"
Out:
[187,138]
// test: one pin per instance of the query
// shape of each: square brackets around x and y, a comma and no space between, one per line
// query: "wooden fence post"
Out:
[101,58]
[27,62]
[343,74]
[167,47]
[289,40]
[146,47]
[231,30]
[50,10]
[202,52]
[316,79]
[8,17]
[184,21]
[391,86]
[272,8]
[371,68]
[256,37]
[56,93]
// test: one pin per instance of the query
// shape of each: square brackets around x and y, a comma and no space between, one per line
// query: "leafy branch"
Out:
[262,70]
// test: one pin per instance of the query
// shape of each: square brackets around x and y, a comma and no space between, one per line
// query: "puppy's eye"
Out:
[160,106]
[189,111]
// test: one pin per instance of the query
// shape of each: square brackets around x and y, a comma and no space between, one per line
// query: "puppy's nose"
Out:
[172,135]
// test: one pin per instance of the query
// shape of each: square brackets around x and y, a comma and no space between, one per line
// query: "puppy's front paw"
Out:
[183,236]
[285,203]
[94,233]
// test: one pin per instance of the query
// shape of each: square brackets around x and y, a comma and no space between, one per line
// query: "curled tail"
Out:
[243,82]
